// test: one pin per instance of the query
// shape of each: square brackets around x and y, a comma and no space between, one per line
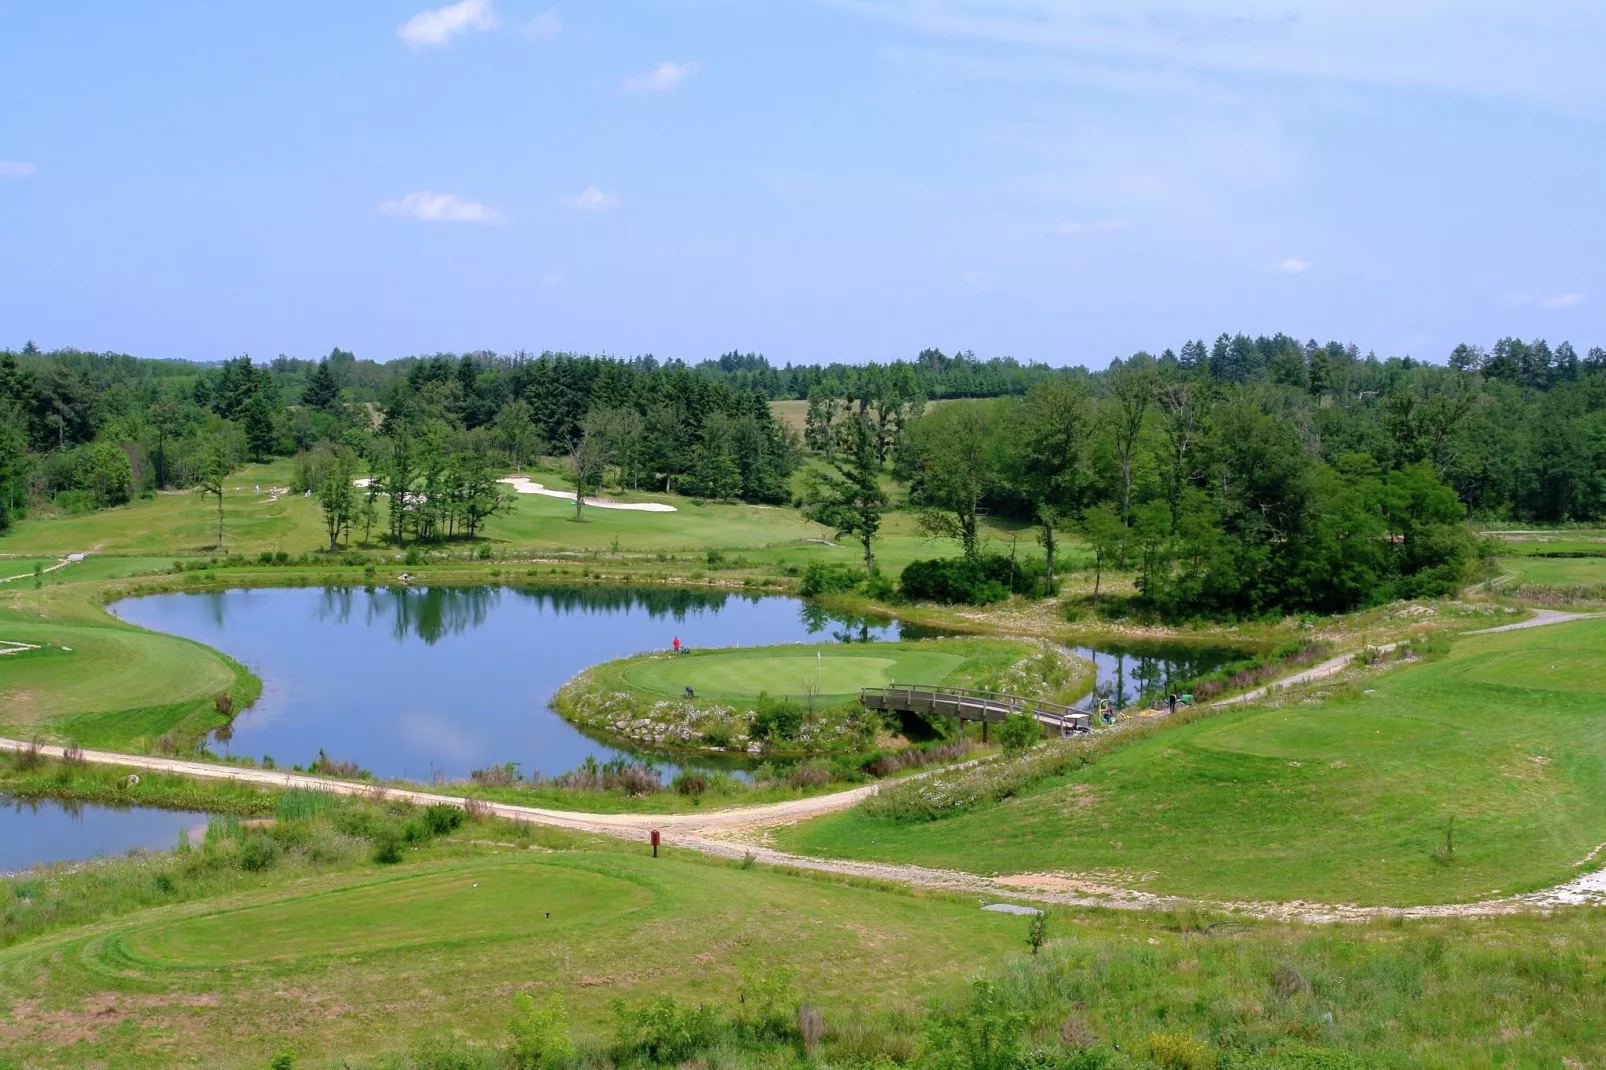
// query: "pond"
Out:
[424,681]
[45,830]
[1130,673]
[414,681]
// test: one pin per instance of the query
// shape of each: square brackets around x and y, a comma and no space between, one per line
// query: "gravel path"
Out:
[1540,618]
[735,833]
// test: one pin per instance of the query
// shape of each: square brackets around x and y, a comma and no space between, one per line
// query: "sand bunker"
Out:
[525,486]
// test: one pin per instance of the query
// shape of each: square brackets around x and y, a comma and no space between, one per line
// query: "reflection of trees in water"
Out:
[215,604]
[431,613]
[656,601]
[335,605]
[73,808]
[846,627]
[1134,674]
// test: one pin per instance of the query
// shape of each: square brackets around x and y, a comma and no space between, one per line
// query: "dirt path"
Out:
[70,559]
[735,833]
[1330,667]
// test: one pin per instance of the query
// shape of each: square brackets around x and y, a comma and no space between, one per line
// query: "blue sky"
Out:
[842,179]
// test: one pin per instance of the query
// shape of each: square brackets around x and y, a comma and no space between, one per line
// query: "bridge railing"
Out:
[972,704]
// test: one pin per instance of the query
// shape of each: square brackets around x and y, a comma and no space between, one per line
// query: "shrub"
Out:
[820,578]
[323,765]
[990,578]
[986,1035]
[879,587]
[538,1038]
[767,1005]
[1180,1051]
[808,775]
[258,853]
[497,776]
[662,1031]
[1018,731]
[776,719]
[687,782]
[387,845]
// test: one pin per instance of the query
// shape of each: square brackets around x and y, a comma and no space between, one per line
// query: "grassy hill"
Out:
[1342,798]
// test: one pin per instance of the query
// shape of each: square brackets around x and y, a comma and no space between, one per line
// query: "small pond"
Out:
[419,681]
[45,830]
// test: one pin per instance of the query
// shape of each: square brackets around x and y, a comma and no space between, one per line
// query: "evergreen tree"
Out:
[322,391]
[851,500]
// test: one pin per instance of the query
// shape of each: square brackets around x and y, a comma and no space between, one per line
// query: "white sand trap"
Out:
[525,486]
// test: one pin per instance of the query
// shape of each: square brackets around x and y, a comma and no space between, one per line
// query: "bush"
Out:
[990,578]
[808,775]
[879,587]
[767,1004]
[776,719]
[662,1031]
[538,1039]
[986,1035]
[820,578]
[1180,1051]
[689,783]
[258,853]
[387,845]
[1019,731]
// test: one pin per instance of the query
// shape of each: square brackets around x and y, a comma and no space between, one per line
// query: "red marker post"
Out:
[655,839]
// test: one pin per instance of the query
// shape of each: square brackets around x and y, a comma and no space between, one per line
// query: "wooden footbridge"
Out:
[968,704]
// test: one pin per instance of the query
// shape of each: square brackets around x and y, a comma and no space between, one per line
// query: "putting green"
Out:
[839,670]
[509,899]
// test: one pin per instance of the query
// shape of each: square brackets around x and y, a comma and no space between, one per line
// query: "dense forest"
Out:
[1238,473]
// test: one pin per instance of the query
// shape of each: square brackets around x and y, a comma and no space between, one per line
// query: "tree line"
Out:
[1515,430]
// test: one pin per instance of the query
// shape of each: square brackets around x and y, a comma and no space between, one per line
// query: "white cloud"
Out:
[1074,227]
[592,200]
[440,208]
[546,24]
[1293,266]
[666,76]
[1542,51]
[14,169]
[553,278]
[1562,301]
[978,280]
[438,27]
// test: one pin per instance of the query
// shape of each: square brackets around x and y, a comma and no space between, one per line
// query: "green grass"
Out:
[198,958]
[345,963]
[1557,571]
[544,903]
[1342,800]
[841,670]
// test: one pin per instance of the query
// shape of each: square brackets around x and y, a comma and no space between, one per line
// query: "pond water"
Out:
[415,682]
[1128,674]
[50,831]
[411,681]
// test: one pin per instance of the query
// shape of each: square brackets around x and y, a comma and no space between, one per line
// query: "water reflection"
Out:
[1128,674]
[47,830]
[419,681]
[415,681]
